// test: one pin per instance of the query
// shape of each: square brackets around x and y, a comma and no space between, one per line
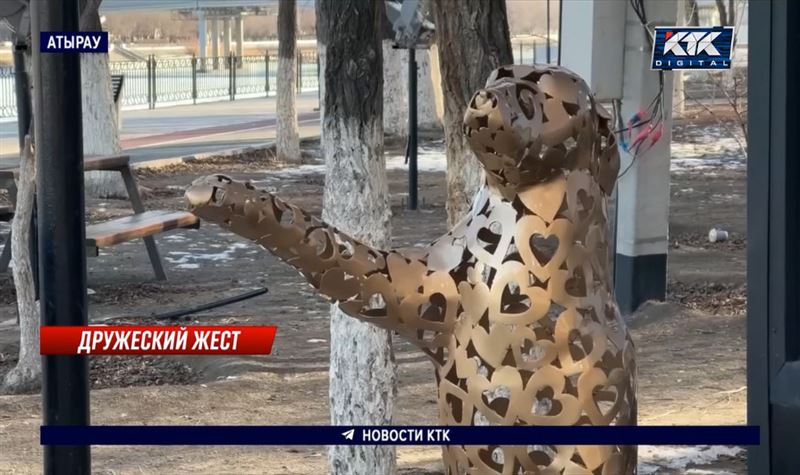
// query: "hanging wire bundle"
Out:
[645,128]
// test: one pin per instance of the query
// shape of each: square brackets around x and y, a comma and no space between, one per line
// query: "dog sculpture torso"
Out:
[514,305]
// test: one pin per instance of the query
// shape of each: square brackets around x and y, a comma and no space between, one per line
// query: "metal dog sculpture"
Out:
[514,305]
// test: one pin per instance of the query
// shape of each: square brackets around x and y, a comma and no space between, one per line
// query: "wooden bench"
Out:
[141,225]
[137,226]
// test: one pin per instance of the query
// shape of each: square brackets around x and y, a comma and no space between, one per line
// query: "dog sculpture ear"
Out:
[608,153]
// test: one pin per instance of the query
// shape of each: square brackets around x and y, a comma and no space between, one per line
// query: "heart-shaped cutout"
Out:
[602,396]
[576,285]
[516,274]
[565,408]
[530,351]
[509,381]
[557,233]
[568,324]
[503,220]
[544,248]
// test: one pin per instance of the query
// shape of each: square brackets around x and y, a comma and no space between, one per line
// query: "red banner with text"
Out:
[156,340]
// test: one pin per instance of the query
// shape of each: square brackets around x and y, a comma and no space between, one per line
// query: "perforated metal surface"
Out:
[514,305]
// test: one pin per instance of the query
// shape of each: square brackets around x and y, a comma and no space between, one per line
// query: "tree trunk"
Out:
[472,39]
[692,15]
[100,125]
[363,381]
[26,375]
[679,104]
[426,92]
[321,39]
[395,91]
[287,142]
[723,13]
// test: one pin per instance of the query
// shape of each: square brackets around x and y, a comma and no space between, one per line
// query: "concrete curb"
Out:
[166,162]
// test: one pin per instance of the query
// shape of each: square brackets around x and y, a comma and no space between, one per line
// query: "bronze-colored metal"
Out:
[514,305]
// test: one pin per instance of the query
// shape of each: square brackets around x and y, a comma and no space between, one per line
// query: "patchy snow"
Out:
[653,459]
[175,238]
[707,148]
[694,148]
[189,260]
[271,176]
[430,158]
[693,164]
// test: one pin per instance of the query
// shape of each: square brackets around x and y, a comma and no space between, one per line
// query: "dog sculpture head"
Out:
[531,123]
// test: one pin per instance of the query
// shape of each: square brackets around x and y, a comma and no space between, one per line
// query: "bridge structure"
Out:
[223,17]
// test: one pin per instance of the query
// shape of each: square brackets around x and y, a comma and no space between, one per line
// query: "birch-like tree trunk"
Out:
[321,48]
[26,376]
[472,39]
[395,91]
[287,143]
[363,380]
[100,125]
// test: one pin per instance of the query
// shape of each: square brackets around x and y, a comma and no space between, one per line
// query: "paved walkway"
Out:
[181,131]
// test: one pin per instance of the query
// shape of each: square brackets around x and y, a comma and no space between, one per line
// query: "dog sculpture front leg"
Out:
[385,288]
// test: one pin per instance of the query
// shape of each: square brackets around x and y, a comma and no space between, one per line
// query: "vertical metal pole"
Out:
[62,265]
[412,129]
[194,79]
[153,77]
[233,75]
[230,76]
[149,83]
[299,72]
[548,32]
[266,74]
[519,60]
[560,23]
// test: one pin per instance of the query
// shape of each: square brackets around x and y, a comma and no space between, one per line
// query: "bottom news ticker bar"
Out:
[399,435]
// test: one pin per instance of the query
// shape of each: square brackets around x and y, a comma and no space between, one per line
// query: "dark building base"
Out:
[638,279]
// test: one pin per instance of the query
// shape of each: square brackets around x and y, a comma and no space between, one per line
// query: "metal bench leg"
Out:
[155,258]
[138,207]
[5,257]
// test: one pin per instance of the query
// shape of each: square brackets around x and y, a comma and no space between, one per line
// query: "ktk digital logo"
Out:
[692,47]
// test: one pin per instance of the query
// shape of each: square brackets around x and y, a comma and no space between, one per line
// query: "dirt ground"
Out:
[691,349]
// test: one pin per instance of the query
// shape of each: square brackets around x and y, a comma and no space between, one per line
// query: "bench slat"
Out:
[105,163]
[137,226]
[109,163]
